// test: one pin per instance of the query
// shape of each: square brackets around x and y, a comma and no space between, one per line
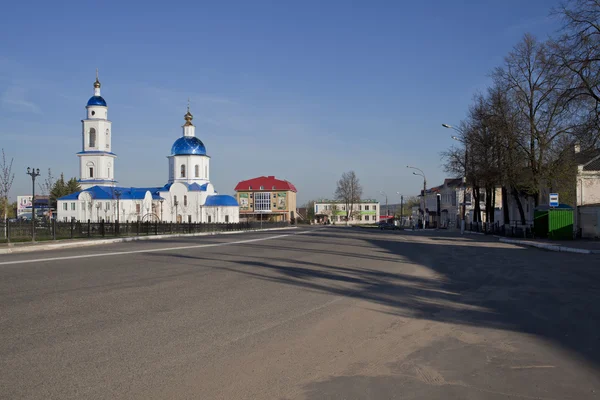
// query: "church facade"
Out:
[188,196]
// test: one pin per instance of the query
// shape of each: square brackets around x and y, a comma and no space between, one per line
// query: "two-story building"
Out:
[266,198]
[334,211]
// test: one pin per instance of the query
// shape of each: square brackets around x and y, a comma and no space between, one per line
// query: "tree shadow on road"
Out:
[479,283]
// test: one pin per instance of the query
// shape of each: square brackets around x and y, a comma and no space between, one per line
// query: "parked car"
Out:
[387,225]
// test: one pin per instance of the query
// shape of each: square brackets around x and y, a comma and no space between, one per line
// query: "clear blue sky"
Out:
[303,90]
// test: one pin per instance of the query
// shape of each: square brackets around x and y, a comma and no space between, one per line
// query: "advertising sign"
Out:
[244,201]
[281,201]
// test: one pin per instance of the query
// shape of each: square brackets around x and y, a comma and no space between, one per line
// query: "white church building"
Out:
[187,197]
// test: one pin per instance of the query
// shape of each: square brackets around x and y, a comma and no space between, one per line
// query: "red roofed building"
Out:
[266,198]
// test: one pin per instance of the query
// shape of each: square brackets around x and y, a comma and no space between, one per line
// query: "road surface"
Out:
[330,313]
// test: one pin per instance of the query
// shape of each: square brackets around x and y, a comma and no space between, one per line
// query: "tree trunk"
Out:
[505,205]
[519,205]
[476,199]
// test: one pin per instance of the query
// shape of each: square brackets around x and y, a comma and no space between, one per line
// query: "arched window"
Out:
[182,170]
[206,171]
[92,137]
[197,171]
[185,200]
[90,166]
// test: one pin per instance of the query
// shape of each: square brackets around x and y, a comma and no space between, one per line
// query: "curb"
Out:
[550,247]
[58,246]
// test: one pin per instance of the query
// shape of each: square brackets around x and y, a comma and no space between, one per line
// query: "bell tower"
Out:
[96,159]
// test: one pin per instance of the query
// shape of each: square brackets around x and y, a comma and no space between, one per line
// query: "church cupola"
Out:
[188,161]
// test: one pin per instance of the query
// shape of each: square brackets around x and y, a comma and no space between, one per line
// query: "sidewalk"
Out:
[568,246]
[24,247]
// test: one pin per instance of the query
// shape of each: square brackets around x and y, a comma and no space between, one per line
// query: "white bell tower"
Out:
[96,159]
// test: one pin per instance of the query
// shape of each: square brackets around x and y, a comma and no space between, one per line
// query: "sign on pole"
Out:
[553,199]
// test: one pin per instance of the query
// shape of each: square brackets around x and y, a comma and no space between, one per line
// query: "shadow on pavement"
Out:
[481,283]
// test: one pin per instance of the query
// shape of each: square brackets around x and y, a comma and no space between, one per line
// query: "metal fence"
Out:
[21,231]
[514,229]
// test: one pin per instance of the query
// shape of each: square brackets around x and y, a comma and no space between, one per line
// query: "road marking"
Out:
[533,366]
[119,253]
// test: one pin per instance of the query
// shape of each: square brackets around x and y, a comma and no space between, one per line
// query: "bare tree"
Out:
[6,180]
[577,51]
[349,191]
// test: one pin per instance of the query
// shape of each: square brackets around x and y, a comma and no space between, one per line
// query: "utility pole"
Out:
[33,172]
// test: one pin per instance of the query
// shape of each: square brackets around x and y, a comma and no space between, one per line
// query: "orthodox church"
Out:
[187,197]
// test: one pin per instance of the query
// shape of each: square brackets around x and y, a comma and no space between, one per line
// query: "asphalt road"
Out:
[334,313]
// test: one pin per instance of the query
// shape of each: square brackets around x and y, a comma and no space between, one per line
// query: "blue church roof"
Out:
[110,193]
[96,101]
[187,145]
[221,200]
[194,187]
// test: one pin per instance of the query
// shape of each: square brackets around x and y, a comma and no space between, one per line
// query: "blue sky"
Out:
[303,90]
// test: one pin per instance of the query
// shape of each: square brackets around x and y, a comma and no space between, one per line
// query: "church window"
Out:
[65,206]
[137,208]
[72,206]
[189,219]
[91,172]
[174,199]
[92,137]
[227,218]
[206,172]
[109,172]
[197,171]
[93,113]
[182,171]
[209,219]
[185,200]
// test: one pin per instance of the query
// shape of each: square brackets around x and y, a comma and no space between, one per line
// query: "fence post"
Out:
[89,224]
[7,230]
[72,223]
[53,229]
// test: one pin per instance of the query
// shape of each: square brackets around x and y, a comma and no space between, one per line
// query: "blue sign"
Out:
[553,199]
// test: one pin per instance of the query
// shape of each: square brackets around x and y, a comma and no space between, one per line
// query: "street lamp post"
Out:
[387,211]
[424,190]
[98,205]
[401,208]
[464,202]
[161,209]
[118,195]
[33,172]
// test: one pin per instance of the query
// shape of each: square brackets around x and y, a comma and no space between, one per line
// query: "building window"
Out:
[182,171]
[366,208]
[185,200]
[137,208]
[107,205]
[273,188]
[361,217]
[262,188]
[65,219]
[189,219]
[274,205]
[227,218]
[206,171]
[249,187]
[366,217]
[274,196]
[92,137]
[209,219]
[72,206]
[65,206]
[197,171]
[262,201]
[374,208]
[91,172]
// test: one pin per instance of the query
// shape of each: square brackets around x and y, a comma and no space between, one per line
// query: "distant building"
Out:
[24,203]
[334,211]
[266,197]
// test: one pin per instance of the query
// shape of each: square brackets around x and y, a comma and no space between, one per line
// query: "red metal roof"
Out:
[268,182]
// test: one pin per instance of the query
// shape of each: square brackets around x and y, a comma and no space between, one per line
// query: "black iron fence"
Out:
[513,229]
[21,231]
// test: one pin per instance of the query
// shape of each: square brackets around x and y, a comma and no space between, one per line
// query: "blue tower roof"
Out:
[188,145]
[96,101]
[221,200]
